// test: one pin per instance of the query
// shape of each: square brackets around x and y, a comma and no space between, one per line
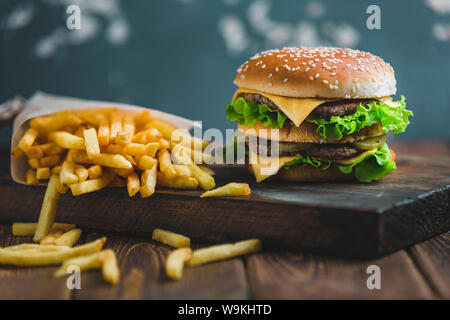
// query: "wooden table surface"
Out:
[422,271]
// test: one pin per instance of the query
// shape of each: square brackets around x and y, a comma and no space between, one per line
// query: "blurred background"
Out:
[181,56]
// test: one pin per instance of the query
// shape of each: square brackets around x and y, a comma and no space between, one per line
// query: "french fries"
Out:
[48,210]
[68,238]
[110,268]
[51,237]
[133,184]
[205,181]
[91,261]
[95,171]
[67,174]
[31,177]
[92,185]
[91,142]
[29,228]
[33,258]
[28,139]
[43,173]
[112,161]
[223,251]
[177,182]
[148,182]
[175,262]
[229,190]
[165,164]
[66,140]
[171,238]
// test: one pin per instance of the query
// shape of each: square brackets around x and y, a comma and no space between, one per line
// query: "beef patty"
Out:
[328,151]
[325,110]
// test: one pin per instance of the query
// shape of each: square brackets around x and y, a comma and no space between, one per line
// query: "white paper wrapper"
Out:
[41,104]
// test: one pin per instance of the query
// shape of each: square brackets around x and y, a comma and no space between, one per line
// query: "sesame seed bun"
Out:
[318,72]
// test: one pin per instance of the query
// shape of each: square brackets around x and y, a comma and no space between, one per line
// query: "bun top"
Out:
[318,72]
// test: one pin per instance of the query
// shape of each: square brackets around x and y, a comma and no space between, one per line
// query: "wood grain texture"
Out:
[433,259]
[141,263]
[297,276]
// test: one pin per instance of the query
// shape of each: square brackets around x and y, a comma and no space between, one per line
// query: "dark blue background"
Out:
[175,57]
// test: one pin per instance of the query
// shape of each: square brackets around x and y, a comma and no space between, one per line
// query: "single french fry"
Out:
[103,132]
[148,182]
[32,259]
[223,251]
[142,119]
[177,182]
[48,209]
[33,162]
[95,171]
[66,140]
[79,156]
[60,120]
[165,164]
[28,139]
[116,125]
[29,228]
[112,161]
[229,190]
[163,144]
[127,133]
[139,149]
[146,162]
[164,127]
[36,151]
[56,170]
[51,149]
[110,267]
[87,262]
[81,172]
[68,238]
[116,149]
[208,170]
[34,247]
[205,181]
[67,174]
[146,136]
[171,238]
[50,161]
[51,237]
[124,173]
[182,170]
[61,187]
[92,185]
[43,173]
[133,184]
[175,262]
[31,177]
[91,142]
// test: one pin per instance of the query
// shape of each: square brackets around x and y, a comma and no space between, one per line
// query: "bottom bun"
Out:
[310,174]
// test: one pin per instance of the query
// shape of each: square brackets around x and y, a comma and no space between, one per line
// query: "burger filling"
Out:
[334,119]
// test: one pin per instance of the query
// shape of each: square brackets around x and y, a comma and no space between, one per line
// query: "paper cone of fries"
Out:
[42,104]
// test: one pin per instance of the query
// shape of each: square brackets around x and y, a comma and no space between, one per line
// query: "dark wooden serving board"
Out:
[349,219]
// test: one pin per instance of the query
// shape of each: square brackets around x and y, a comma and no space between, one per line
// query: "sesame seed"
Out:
[263,66]
[276,69]
[270,84]
[317,75]
[269,76]
[285,80]
[325,81]
[307,69]
[311,78]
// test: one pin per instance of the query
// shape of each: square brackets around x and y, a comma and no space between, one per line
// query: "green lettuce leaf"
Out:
[248,112]
[368,168]
[392,118]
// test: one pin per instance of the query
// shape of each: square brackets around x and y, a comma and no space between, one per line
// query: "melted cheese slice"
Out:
[264,167]
[296,109]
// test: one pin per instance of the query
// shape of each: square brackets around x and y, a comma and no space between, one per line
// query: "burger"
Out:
[328,111]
